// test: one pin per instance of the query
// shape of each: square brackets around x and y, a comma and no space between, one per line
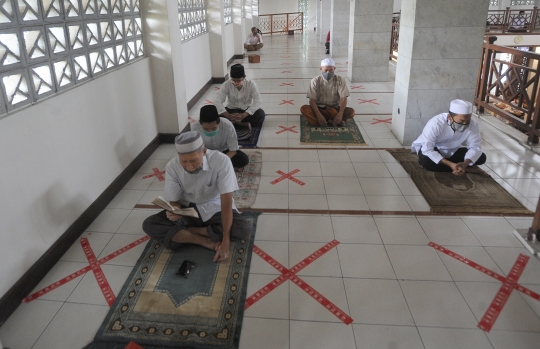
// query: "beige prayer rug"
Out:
[248,180]
[349,133]
[447,193]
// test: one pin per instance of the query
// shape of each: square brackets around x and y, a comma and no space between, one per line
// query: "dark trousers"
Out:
[159,227]
[239,160]
[252,119]
[459,156]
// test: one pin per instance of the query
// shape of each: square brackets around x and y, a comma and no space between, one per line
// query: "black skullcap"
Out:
[237,71]
[208,113]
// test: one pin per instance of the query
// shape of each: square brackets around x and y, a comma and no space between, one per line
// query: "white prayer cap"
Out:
[459,106]
[188,142]
[328,62]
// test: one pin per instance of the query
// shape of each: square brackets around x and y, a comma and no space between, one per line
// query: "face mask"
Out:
[457,127]
[194,171]
[328,76]
[211,134]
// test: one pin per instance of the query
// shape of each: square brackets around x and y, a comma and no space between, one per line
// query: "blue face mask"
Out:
[211,134]
[328,76]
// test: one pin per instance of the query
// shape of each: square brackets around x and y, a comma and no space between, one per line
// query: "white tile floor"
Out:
[400,292]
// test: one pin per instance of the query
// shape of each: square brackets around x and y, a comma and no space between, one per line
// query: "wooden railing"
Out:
[509,88]
[281,22]
[394,40]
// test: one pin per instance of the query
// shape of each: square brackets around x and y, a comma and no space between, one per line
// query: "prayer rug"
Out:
[349,133]
[251,140]
[157,309]
[447,193]
[248,181]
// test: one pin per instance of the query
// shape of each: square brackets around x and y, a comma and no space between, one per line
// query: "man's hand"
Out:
[222,251]
[457,169]
[173,217]
[321,120]
[338,120]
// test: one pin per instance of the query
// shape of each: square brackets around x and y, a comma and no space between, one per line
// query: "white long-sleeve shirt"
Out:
[254,39]
[438,133]
[247,98]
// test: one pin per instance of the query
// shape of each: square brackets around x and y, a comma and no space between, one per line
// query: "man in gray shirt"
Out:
[219,134]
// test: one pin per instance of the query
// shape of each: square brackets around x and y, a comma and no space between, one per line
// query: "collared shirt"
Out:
[203,188]
[225,138]
[438,133]
[328,92]
[247,98]
[254,39]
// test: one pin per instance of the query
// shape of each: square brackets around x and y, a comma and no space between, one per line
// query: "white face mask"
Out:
[457,127]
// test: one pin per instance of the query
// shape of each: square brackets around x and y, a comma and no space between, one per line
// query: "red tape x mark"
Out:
[286,71]
[290,274]
[509,284]
[287,101]
[287,84]
[289,176]
[378,121]
[157,173]
[360,87]
[84,270]
[98,272]
[287,129]
[362,101]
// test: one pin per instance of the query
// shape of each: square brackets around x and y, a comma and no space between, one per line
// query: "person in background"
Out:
[327,43]
[327,95]
[254,41]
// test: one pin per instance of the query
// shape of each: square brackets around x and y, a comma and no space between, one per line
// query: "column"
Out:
[163,46]
[339,27]
[440,45]
[248,21]
[325,19]
[255,12]
[319,5]
[238,28]
[369,35]
[216,29]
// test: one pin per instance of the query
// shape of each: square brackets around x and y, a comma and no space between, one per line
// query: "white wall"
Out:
[197,64]
[60,154]
[267,7]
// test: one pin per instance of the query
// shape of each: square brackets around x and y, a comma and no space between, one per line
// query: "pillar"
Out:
[440,45]
[255,12]
[369,34]
[325,19]
[248,21]
[164,48]
[339,27]
[216,29]
[238,28]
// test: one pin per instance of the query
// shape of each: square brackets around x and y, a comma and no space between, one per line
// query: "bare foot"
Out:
[477,170]
[209,244]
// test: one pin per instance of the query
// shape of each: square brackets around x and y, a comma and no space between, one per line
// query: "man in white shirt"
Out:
[203,179]
[327,95]
[439,147]
[254,41]
[243,102]
[219,134]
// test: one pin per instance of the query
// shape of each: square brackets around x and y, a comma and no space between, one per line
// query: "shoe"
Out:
[327,52]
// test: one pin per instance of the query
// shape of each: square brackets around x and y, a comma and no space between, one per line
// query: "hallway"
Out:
[400,292]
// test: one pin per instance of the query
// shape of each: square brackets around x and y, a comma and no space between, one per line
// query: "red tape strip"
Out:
[98,273]
[289,274]
[83,270]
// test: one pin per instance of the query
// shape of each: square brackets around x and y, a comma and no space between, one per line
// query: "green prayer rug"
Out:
[157,309]
[447,193]
[349,133]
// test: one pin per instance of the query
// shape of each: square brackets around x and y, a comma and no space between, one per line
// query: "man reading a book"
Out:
[205,180]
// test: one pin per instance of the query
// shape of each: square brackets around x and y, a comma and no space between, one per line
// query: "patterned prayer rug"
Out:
[349,133]
[251,140]
[157,309]
[447,193]
[248,181]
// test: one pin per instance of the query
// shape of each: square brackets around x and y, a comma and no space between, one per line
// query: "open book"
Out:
[166,205]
